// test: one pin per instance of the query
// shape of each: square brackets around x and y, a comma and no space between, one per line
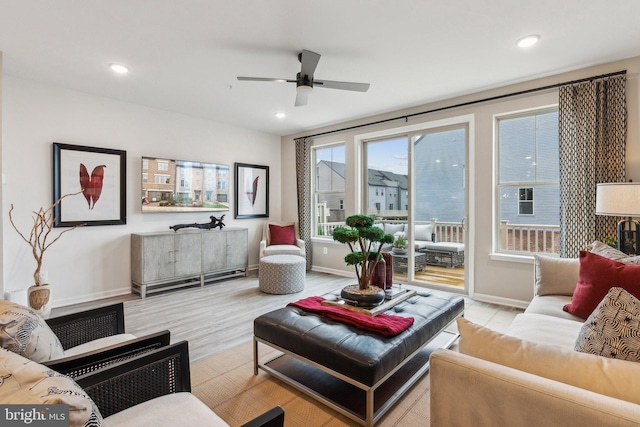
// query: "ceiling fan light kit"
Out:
[305,81]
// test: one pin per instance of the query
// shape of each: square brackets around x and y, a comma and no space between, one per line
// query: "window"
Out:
[163,166]
[328,188]
[145,177]
[145,164]
[527,176]
[525,201]
[386,167]
[162,179]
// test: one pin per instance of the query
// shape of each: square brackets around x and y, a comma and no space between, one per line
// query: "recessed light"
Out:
[528,41]
[280,115]
[119,68]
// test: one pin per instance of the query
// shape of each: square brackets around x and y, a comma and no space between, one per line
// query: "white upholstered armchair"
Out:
[281,239]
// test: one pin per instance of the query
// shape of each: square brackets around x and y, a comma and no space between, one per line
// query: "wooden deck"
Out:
[438,276]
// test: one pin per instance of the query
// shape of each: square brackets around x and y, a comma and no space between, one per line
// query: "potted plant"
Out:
[364,241]
[40,239]
[400,243]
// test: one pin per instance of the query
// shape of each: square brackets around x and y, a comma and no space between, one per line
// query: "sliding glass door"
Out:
[414,187]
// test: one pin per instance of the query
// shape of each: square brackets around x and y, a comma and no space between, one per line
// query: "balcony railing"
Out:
[513,237]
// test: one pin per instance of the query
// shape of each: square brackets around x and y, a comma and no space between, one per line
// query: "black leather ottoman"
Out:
[359,358]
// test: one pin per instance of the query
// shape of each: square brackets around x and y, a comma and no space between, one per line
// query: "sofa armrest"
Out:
[272,418]
[263,247]
[142,378]
[85,363]
[79,328]
[492,394]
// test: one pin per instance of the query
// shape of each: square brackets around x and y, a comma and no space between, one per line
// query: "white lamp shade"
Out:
[618,199]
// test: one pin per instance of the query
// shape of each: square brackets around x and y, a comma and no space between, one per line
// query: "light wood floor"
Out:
[442,276]
[219,316]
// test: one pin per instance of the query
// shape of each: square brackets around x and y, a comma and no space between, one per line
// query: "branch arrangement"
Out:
[39,237]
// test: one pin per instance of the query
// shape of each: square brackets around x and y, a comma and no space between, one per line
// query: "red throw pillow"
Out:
[281,235]
[597,275]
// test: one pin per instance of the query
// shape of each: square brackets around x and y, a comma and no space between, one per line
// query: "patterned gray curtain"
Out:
[592,120]
[303,175]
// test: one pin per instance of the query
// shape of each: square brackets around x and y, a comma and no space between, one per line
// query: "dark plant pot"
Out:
[371,297]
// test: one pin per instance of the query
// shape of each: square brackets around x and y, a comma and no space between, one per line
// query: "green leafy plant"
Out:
[611,241]
[361,237]
[401,240]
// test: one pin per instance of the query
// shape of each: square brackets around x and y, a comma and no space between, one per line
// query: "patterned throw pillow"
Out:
[24,332]
[613,329]
[25,382]
[607,251]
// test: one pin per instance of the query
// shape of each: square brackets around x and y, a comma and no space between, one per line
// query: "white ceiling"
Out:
[185,55]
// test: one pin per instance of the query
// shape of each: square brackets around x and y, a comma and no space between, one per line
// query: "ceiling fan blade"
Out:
[301,99]
[265,79]
[329,84]
[309,62]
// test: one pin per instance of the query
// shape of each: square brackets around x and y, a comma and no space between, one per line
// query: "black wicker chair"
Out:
[89,325]
[80,328]
[145,377]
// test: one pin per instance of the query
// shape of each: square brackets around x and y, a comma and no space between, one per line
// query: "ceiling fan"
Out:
[305,82]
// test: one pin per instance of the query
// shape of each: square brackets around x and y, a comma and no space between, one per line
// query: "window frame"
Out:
[498,186]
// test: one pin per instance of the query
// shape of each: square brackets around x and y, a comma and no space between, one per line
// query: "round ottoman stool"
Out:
[282,274]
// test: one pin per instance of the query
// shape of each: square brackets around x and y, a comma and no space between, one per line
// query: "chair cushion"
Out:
[282,250]
[598,275]
[26,382]
[613,329]
[423,232]
[284,235]
[176,409]
[24,332]
[98,344]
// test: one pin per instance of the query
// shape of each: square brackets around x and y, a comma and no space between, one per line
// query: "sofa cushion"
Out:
[423,232]
[176,409]
[545,329]
[555,276]
[598,275]
[607,251]
[611,377]
[393,228]
[551,305]
[613,329]
[284,235]
[24,332]
[26,382]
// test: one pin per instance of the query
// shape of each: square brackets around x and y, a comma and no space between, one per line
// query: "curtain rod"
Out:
[465,104]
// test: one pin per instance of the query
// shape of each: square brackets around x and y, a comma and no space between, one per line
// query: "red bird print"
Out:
[91,186]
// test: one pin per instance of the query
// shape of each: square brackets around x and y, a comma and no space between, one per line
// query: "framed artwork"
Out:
[252,191]
[99,176]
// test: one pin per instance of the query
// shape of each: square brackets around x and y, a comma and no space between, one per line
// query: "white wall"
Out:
[492,280]
[94,262]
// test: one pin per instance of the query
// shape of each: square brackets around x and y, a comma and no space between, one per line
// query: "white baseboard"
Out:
[90,297]
[501,301]
[333,271]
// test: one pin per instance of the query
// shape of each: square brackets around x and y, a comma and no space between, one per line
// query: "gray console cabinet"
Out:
[168,260]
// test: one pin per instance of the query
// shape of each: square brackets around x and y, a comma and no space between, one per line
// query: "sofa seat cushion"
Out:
[177,409]
[611,377]
[100,343]
[551,305]
[543,329]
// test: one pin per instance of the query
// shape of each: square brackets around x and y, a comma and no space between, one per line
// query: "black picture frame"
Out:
[100,174]
[251,183]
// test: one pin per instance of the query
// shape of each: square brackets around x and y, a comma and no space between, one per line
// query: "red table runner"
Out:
[385,324]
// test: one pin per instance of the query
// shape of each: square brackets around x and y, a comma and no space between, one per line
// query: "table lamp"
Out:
[622,199]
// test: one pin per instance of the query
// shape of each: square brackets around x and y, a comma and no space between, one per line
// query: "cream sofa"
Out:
[531,376]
